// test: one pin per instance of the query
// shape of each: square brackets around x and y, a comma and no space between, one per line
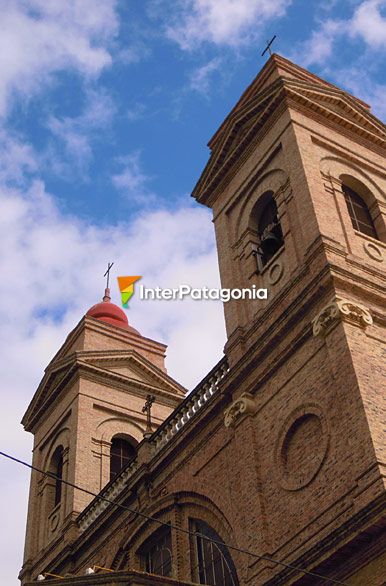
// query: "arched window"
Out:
[359,212]
[121,453]
[265,221]
[156,553]
[213,563]
[56,468]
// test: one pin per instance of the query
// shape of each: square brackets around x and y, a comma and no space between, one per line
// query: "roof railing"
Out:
[184,413]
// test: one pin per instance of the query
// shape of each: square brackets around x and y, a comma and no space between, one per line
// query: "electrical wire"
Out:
[170,525]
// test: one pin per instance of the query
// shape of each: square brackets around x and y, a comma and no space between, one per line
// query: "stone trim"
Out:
[242,406]
[373,250]
[130,578]
[296,480]
[341,309]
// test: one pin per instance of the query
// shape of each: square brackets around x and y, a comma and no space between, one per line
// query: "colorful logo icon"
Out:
[126,287]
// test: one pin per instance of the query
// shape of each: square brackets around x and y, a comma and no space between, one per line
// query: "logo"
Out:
[126,287]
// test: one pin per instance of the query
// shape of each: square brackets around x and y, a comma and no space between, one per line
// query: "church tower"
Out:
[297,184]
[87,419]
[271,471]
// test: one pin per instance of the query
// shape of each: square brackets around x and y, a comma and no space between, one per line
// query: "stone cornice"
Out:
[46,393]
[50,388]
[125,383]
[90,324]
[275,66]
[235,145]
[130,578]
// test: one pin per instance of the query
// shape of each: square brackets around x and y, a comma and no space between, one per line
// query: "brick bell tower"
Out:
[87,419]
[297,183]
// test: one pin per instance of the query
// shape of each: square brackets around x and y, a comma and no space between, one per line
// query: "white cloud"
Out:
[40,38]
[319,47]
[131,181]
[55,263]
[369,24]
[138,51]
[75,134]
[54,269]
[17,158]
[202,77]
[136,112]
[230,22]
[360,84]
[366,24]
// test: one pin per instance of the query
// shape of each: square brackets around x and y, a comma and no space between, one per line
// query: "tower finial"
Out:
[107,296]
[268,47]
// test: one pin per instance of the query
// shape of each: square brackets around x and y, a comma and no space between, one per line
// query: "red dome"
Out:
[110,313]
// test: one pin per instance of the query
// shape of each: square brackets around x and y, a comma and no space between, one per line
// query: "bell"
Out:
[270,243]
[268,235]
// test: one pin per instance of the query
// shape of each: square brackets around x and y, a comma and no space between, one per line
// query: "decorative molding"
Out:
[295,479]
[244,405]
[341,309]
[54,522]
[335,107]
[275,273]
[373,251]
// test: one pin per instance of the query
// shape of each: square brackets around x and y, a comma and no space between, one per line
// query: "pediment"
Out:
[339,106]
[242,126]
[131,365]
[54,379]
[249,116]
[123,369]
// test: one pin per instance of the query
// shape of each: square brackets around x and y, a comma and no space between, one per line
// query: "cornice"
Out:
[169,392]
[124,383]
[133,358]
[283,94]
[90,324]
[288,70]
[42,398]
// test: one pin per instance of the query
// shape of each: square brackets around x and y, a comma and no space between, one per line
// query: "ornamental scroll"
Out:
[341,309]
[244,405]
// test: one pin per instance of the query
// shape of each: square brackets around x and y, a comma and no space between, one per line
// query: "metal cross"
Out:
[147,409]
[109,265]
[268,47]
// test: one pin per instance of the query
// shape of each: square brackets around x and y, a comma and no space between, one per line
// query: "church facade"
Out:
[271,471]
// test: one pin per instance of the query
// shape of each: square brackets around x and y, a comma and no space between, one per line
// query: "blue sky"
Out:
[106,107]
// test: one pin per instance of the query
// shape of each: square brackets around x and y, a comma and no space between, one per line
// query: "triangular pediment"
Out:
[339,106]
[242,122]
[242,126]
[126,370]
[237,135]
[132,366]
[54,380]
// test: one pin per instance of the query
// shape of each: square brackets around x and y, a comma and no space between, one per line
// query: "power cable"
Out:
[170,525]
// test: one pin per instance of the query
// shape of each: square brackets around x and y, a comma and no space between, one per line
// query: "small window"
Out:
[265,221]
[359,212]
[57,470]
[156,554]
[121,453]
[213,563]
[58,483]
